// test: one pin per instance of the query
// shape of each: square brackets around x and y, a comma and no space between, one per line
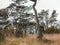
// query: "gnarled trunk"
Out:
[37,21]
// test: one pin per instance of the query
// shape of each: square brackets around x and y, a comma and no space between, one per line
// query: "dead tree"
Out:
[37,21]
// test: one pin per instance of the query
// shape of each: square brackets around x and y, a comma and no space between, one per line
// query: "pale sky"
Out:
[41,4]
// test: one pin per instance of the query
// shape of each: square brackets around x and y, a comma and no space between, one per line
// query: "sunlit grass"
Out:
[18,41]
[14,41]
[22,41]
[5,42]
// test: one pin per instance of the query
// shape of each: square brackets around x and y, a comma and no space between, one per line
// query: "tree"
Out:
[44,17]
[49,20]
[37,21]
[53,18]
[19,15]
[3,19]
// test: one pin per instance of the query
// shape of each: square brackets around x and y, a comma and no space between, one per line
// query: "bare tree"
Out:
[37,21]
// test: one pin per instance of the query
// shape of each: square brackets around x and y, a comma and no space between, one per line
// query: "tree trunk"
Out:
[46,24]
[37,21]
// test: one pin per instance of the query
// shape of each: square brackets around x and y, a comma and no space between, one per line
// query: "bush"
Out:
[19,33]
[5,33]
[1,35]
[52,30]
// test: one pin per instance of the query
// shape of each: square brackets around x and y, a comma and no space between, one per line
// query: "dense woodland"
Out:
[16,20]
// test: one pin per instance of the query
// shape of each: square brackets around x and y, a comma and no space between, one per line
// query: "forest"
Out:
[19,25]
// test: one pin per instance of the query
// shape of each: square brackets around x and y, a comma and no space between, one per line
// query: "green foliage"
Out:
[52,30]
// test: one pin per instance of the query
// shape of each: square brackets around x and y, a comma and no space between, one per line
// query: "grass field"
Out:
[48,39]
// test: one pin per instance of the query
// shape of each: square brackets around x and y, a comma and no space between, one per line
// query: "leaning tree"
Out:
[37,21]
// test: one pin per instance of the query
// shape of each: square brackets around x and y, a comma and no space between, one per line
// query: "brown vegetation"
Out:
[48,39]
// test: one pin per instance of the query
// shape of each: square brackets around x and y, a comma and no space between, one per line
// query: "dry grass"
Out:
[49,39]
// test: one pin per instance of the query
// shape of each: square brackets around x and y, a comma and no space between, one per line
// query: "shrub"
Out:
[1,35]
[52,30]
[5,33]
[19,33]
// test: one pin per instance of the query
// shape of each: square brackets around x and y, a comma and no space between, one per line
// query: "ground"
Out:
[48,39]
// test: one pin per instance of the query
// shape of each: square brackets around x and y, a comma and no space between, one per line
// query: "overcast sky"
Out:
[41,4]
